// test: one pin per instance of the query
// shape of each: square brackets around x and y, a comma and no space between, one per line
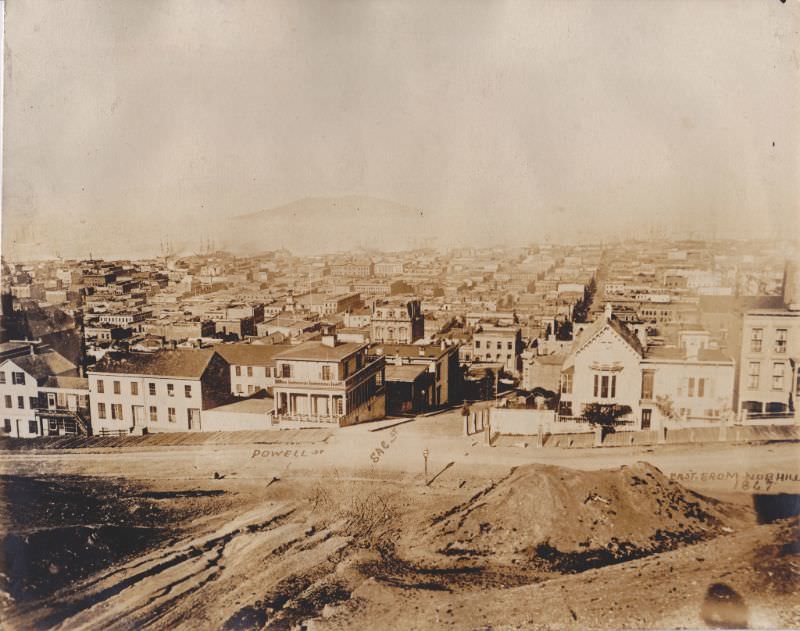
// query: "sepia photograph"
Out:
[332,315]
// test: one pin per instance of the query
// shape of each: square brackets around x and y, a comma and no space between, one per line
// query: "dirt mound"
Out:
[568,520]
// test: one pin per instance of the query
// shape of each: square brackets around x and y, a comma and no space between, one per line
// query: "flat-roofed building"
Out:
[398,321]
[498,344]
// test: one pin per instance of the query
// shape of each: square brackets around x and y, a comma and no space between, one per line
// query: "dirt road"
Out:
[344,532]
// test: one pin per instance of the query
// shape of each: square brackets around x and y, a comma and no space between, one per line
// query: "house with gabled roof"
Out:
[610,364]
[165,391]
[41,394]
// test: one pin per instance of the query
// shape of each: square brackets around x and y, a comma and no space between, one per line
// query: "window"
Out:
[566,384]
[777,376]
[171,415]
[170,389]
[116,411]
[18,378]
[134,388]
[117,387]
[7,425]
[152,389]
[605,386]
[646,415]
[510,345]
[2,377]
[249,371]
[701,387]
[326,373]
[753,374]
[101,388]
[477,343]
[250,388]
[33,427]
[780,340]
[648,378]
[756,337]
[101,410]
[21,403]
[34,402]
[691,387]
[565,408]
[153,414]
[238,371]
[239,388]
[499,345]
[8,401]
[187,391]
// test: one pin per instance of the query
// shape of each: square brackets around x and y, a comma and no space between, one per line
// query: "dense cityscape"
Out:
[658,334]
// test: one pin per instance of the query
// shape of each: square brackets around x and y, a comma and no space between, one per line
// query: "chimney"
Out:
[329,335]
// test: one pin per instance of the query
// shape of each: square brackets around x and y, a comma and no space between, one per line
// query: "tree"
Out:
[606,416]
[564,331]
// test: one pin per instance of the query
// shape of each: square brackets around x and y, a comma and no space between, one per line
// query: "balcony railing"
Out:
[332,383]
[307,418]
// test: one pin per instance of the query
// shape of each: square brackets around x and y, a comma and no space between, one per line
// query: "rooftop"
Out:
[674,353]
[44,365]
[70,383]
[410,350]
[406,373]
[178,363]
[250,354]
[317,351]
[261,405]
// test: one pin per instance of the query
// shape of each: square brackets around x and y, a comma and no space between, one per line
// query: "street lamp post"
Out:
[425,453]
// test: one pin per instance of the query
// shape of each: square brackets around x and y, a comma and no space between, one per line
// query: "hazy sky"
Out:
[128,120]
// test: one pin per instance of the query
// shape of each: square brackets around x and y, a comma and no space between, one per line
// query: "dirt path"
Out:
[278,540]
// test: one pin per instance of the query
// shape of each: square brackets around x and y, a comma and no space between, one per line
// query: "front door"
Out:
[194,419]
[138,415]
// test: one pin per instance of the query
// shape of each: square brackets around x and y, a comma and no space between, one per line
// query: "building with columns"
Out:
[328,382]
